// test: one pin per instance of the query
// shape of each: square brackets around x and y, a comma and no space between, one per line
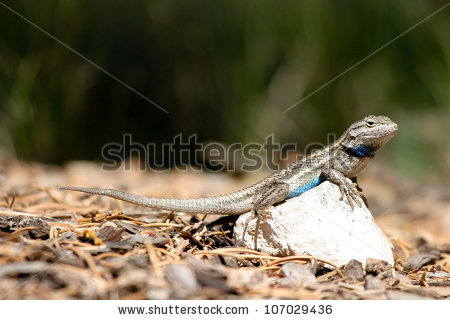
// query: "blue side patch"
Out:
[360,151]
[311,184]
[364,151]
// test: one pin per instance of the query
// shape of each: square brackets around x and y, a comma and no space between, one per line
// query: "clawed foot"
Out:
[352,193]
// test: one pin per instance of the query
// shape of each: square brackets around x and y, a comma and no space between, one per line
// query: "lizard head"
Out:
[368,135]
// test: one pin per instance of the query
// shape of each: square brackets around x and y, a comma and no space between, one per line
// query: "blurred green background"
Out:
[224,70]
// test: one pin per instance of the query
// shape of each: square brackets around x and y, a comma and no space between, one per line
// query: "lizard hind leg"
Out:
[266,197]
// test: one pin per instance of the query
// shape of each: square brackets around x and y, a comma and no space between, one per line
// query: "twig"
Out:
[108,255]
[285,259]
[325,277]
[235,250]
[16,213]
[221,232]
[161,224]
[16,233]
[165,234]
[13,199]
[422,281]
[62,225]
[87,258]
[90,224]
[164,251]
[47,206]
[153,259]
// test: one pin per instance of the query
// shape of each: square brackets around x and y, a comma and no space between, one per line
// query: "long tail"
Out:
[231,204]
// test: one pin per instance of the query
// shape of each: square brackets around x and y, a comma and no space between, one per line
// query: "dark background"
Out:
[224,70]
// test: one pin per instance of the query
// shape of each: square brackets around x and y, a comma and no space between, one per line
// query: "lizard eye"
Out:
[370,123]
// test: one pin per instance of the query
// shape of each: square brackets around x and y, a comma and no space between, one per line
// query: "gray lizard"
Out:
[342,159]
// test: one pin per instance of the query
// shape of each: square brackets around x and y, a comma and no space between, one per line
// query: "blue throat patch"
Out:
[311,184]
[360,151]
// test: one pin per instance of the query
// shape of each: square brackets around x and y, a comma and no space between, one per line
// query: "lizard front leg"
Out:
[268,195]
[350,190]
[358,187]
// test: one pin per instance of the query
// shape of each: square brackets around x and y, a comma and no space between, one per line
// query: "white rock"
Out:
[317,223]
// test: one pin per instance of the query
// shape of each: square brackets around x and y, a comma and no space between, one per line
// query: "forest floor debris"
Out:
[55,245]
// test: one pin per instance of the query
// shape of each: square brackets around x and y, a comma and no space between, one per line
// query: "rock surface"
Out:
[353,271]
[317,223]
[295,273]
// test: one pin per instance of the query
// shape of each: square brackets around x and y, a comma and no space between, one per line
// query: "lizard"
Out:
[342,159]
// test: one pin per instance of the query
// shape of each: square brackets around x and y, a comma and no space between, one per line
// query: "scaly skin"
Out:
[344,158]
